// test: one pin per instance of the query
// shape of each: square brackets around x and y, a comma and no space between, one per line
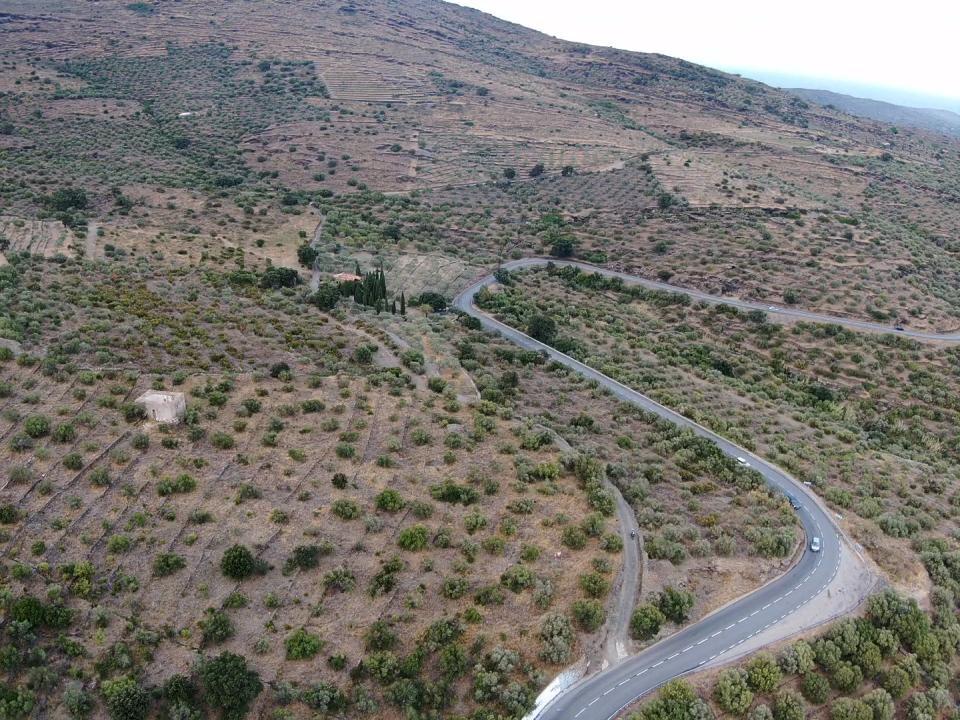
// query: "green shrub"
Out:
[229,686]
[451,492]
[302,645]
[167,563]
[119,544]
[454,588]
[125,699]
[542,328]
[413,538]
[340,578]
[815,688]
[797,659]
[675,604]
[222,441]
[345,509]
[9,514]
[880,704]
[37,426]
[380,637]
[846,677]
[732,693]
[390,501]
[345,451]
[645,622]
[421,510]
[65,433]
[325,698]
[897,682]
[473,522]
[788,705]
[73,461]
[100,476]
[238,563]
[574,537]
[307,557]
[245,492]
[589,614]
[20,475]
[489,595]
[612,543]
[517,578]
[556,634]
[850,709]
[594,585]
[182,484]
[215,627]
[763,673]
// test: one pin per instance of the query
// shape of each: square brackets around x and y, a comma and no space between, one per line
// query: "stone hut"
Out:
[164,407]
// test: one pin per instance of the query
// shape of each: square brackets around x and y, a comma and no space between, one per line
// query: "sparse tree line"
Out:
[904,657]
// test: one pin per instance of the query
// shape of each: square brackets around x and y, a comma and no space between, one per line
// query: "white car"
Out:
[815,545]
[743,461]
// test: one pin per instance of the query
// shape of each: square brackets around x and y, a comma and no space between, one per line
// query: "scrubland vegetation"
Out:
[867,419]
[373,508]
[315,507]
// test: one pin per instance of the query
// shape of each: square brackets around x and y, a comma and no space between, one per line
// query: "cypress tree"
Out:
[393,308]
[368,297]
[403,304]
[383,285]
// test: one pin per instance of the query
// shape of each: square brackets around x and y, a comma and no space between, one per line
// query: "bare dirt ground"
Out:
[38,237]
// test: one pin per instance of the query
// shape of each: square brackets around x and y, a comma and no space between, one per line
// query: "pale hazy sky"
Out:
[911,48]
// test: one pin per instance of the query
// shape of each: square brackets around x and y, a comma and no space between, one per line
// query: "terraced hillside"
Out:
[279,104]
[428,517]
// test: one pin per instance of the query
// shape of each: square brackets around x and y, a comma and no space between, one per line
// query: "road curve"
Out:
[776,310]
[604,694]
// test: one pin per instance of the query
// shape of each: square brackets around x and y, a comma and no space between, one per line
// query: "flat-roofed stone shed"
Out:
[164,407]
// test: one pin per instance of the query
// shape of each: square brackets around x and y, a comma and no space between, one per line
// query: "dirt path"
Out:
[90,242]
[315,244]
[618,643]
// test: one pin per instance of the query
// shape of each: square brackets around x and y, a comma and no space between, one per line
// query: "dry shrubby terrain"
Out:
[869,420]
[188,121]
[318,508]
[374,508]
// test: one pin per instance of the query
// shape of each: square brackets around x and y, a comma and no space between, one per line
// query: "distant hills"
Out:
[942,121]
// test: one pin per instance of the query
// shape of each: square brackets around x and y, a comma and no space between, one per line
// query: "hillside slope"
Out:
[153,108]
[425,508]
[942,121]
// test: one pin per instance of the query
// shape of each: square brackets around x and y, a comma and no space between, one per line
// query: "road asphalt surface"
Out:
[604,694]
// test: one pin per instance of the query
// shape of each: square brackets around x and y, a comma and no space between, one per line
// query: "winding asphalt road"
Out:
[604,694]
[776,310]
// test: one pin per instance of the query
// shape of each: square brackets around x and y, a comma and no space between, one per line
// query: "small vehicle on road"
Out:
[793,502]
[815,545]
[898,327]
[743,461]
[633,533]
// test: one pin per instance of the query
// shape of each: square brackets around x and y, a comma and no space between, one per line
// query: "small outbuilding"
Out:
[345,277]
[164,407]
[12,345]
